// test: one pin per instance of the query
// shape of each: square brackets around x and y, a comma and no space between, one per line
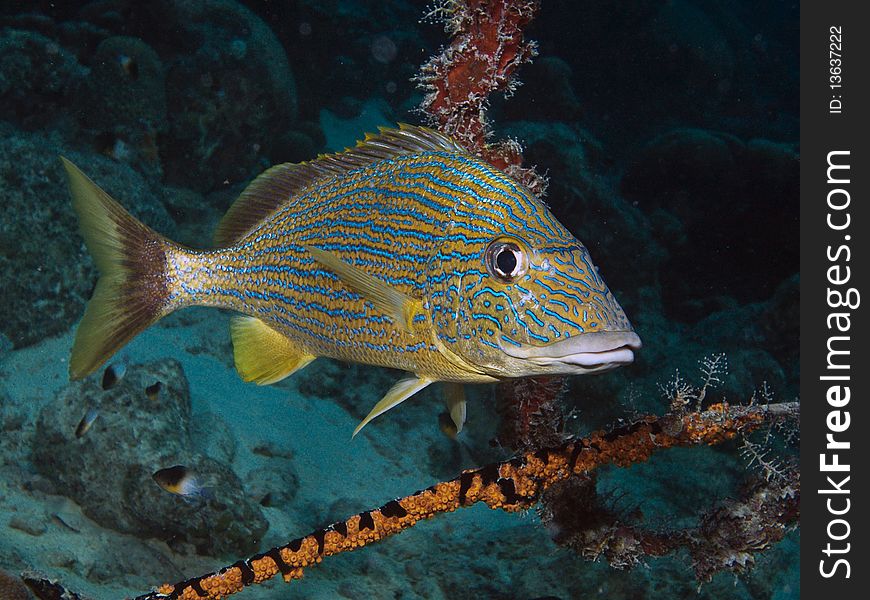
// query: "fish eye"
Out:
[505,260]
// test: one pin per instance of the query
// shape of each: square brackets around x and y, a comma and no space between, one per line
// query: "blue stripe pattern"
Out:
[421,224]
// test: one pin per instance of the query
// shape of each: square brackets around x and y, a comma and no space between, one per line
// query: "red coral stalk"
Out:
[531,412]
[487,47]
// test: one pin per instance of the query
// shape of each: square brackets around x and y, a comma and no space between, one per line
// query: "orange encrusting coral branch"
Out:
[512,485]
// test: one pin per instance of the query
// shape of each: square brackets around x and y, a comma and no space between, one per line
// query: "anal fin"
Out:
[401,391]
[263,355]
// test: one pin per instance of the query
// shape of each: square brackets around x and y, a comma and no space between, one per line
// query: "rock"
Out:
[28,525]
[195,217]
[6,345]
[13,418]
[772,166]
[723,203]
[349,52]
[276,485]
[781,318]
[211,436]
[293,146]
[12,588]
[46,271]
[37,76]
[122,101]
[108,470]
[677,167]
[135,559]
[546,93]
[582,197]
[230,87]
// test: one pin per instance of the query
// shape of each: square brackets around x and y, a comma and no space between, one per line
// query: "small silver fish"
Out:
[87,421]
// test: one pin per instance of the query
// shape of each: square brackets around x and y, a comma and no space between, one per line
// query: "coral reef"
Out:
[547,94]
[353,51]
[668,131]
[707,188]
[582,195]
[516,485]
[642,65]
[37,76]
[112,481]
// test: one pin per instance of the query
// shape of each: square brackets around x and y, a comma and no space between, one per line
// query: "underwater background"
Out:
[668,131]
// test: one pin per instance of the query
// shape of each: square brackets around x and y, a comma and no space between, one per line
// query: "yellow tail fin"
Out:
[131,292]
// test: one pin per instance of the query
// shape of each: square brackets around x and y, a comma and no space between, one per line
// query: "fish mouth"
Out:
[585,353]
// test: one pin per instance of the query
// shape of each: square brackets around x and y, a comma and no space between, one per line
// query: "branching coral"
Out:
[725,537]
[486,48]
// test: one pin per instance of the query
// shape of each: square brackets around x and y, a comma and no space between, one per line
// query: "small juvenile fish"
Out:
[113,374]
[153,391]
[86,422]
[181,481]
[404,251]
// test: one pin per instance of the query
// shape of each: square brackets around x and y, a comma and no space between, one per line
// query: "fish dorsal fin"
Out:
[263,355]
[260,199]
[388,143]
[278,184]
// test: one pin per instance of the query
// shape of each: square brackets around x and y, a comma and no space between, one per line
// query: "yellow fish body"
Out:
[404,252]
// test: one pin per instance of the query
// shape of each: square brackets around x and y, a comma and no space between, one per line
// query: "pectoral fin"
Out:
[263,355]
[454,395]
[401,391]
[400,307]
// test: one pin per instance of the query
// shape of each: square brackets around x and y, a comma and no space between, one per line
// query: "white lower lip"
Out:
[598,351]
[619,356]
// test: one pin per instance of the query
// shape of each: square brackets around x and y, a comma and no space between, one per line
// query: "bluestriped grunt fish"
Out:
[404,251]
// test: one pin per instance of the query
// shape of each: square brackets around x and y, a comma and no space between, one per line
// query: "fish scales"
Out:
[409,202]
[404,252]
